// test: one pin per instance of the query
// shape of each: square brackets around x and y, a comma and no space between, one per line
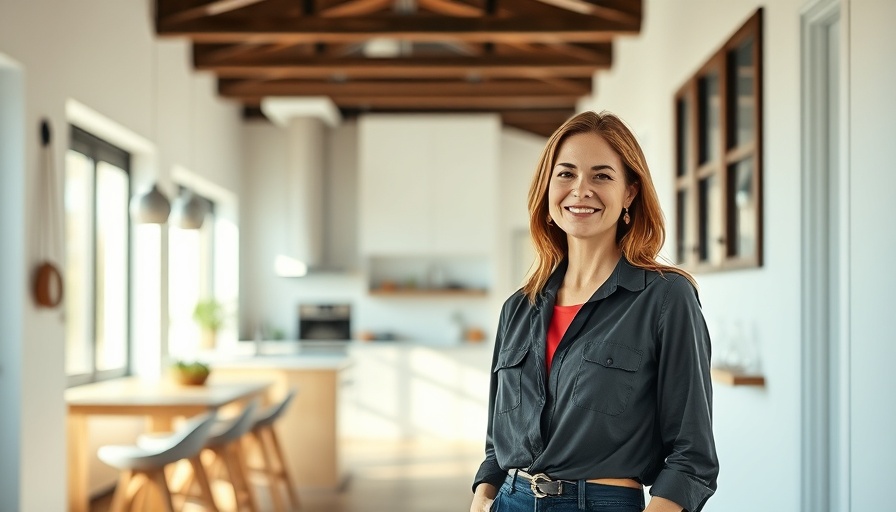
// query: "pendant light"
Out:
[151,207]
[188,211]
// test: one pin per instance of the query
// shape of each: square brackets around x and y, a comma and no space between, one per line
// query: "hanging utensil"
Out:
[47,284]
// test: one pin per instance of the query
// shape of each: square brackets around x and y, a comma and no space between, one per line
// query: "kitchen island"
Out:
[413,391]
[308,430]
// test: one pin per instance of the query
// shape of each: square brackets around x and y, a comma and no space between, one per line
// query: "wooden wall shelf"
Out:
[736,378]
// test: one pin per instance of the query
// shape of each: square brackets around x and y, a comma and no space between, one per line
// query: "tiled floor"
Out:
[388,477]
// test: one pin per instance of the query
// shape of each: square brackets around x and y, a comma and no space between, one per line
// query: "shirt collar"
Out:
[625,275]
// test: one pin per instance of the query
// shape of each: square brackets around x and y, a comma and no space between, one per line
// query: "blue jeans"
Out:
[516,495]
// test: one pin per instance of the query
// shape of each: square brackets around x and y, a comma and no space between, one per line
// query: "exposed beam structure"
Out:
[529,60]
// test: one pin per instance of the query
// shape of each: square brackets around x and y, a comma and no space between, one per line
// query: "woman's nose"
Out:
[578,192]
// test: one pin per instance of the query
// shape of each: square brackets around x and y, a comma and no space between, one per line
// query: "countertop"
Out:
[317,355]
[282,355]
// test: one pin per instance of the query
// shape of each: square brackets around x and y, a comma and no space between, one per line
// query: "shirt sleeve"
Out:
[489,471]
[684,399]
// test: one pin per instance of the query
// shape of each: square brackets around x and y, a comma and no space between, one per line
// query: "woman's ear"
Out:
[633,190]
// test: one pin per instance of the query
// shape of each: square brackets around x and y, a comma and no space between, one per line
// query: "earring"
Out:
[625,217]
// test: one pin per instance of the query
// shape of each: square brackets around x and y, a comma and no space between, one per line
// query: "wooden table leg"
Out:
[78,499]
[159,424]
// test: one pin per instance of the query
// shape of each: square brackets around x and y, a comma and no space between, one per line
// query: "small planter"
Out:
[190,374]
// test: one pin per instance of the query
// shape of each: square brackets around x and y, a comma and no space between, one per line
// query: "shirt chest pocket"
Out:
[606,377]
[509,373]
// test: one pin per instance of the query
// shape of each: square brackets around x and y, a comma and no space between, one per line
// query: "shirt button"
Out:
[609,361]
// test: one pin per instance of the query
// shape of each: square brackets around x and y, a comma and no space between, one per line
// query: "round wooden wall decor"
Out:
[47,285]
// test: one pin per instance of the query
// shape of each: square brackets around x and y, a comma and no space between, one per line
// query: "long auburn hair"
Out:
[640,241]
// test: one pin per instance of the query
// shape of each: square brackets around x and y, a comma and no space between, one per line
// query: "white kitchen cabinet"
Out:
[406,391]
[428,184]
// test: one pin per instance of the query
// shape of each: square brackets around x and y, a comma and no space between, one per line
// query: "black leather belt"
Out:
[542,485]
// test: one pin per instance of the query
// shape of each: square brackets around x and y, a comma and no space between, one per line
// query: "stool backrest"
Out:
[273,412]
[186,442]
[236,427]
[190,438]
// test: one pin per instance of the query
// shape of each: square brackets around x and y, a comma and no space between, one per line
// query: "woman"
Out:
[600,379]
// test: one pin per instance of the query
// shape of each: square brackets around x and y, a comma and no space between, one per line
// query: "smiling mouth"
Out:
[580,209]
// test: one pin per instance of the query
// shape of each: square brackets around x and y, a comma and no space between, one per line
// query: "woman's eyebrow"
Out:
[600,167]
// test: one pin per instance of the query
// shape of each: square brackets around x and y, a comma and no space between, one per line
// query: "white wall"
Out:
[273,300]
[520,152]
[757,430]
[872,125]
[101,54]
[265,297]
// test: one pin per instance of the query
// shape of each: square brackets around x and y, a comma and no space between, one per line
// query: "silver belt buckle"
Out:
[541,477]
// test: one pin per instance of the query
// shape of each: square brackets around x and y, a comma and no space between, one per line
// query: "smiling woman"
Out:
[601,340]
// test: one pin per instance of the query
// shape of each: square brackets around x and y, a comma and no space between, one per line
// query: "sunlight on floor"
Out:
[383,476]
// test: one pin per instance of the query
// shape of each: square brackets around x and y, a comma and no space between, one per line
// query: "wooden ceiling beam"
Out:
[532,66]
[618,10]
[355,8]
[207,9]
[417,89]
[449,8]
[340,72]
[443,103]
[599,52]
[415,28]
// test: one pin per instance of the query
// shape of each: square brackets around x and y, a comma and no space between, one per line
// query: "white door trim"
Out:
[825,414]
[13,293]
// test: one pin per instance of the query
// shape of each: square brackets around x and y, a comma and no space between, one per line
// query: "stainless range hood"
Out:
[305,121]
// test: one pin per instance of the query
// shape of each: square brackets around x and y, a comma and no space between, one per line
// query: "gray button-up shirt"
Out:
[628,395]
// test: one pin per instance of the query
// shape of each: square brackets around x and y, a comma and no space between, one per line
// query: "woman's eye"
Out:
[564,174]
[602,176]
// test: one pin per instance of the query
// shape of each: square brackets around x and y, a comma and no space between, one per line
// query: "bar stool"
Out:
[224,452]
[275,468]
[225,443]
[141,467]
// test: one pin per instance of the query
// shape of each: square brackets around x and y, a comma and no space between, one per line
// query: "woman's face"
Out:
[587,189]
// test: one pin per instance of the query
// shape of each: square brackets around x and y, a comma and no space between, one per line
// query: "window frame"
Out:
[207,250]
[690,222]
[99,150]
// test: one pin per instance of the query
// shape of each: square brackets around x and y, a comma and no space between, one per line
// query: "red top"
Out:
[563,316]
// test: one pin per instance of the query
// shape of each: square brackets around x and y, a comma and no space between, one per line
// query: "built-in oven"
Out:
[325,322]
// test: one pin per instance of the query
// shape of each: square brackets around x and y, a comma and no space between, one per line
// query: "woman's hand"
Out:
[483,498]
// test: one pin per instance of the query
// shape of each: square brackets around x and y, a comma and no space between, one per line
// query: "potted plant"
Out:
[209,314]
[190,373]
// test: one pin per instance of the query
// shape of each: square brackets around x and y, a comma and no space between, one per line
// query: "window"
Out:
[97,234]
[718,171]
[191,271]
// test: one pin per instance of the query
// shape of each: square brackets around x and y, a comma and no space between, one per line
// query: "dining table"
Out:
[161,401]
